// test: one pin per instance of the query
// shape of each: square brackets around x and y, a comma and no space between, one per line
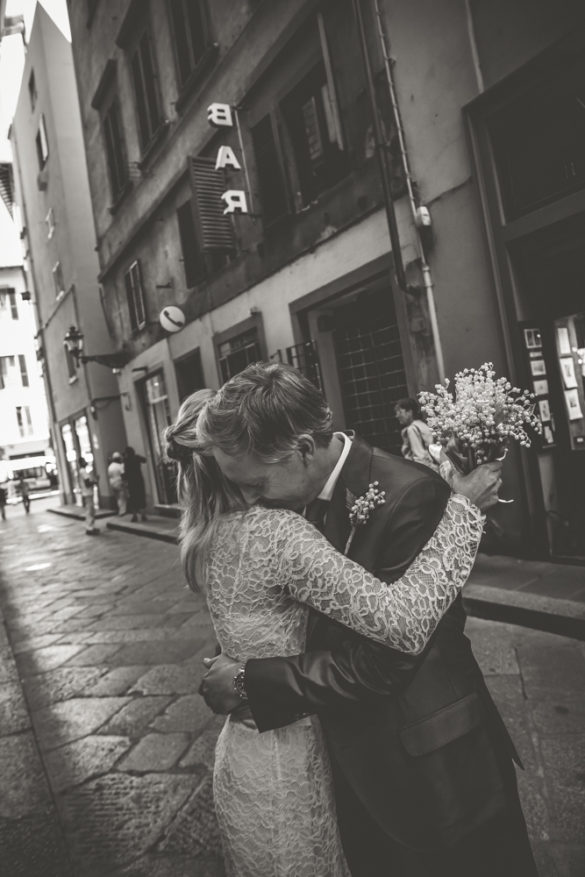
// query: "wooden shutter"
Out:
[214,230]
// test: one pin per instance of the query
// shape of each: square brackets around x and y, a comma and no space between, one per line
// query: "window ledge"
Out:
[120,197]
[193,80]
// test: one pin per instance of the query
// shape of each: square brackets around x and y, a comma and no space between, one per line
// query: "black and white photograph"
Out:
[292,438]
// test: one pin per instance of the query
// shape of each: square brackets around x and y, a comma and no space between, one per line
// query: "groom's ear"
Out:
[306,447]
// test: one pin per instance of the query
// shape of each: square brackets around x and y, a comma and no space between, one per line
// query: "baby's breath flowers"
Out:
[362,508]
[476,423]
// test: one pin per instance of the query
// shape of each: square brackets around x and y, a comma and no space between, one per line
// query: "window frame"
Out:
[146,85]
[23,369]
[42,142]
[50,222]
[106,102]
[57,272]
[254,323]
[32,90]
[186,84]
[25,426]
[8,294]
[132,283]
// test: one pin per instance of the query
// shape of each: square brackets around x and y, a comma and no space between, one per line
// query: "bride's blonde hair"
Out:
[203,492]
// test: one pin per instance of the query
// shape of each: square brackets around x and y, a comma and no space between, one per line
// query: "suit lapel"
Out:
[352,482]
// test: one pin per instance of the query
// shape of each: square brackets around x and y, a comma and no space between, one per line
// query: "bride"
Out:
[261,569]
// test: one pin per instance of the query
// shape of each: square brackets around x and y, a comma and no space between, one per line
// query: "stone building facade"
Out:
[349,118]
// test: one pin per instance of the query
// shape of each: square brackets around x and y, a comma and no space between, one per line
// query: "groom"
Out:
[423,765]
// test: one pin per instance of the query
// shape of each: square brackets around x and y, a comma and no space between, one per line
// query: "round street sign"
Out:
[172,319]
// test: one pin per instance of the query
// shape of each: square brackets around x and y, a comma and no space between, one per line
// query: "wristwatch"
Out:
[240,682]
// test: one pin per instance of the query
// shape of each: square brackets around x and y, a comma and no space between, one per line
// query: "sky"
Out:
[12,59]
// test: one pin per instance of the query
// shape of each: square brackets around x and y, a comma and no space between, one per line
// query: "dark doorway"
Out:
[189,374]
[370,366]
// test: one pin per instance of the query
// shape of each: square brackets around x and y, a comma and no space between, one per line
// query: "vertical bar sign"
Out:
[222,116]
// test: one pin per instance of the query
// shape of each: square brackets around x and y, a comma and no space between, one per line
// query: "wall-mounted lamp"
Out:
[74,342]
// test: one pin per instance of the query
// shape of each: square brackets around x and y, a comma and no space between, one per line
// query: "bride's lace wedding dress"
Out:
[273,791]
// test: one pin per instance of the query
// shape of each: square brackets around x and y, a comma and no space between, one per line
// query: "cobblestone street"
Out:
[106,760]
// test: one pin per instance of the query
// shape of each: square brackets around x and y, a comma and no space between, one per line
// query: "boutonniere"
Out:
[362,508]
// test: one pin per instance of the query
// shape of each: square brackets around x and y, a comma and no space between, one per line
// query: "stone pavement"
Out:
[106,749]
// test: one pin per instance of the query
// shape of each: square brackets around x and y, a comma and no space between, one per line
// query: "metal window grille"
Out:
[234,355]
[304,357]
[372,379]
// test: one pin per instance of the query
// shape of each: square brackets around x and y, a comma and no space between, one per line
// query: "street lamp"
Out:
[74,340]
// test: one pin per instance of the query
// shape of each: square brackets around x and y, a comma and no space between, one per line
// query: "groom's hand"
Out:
[481,486]
[217,685]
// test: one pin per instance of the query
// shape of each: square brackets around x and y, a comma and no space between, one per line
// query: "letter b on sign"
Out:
[220,115]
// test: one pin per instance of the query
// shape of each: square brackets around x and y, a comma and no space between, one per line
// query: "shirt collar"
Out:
[329,486]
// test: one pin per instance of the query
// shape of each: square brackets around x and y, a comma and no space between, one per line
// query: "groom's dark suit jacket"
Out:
[418,739]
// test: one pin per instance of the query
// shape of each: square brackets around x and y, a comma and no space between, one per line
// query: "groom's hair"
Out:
[263,410]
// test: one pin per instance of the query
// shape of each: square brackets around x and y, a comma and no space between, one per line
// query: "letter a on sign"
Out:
[225,157]
[235,200]
[220,115]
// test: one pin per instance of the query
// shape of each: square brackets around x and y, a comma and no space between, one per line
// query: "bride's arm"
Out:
[402,615]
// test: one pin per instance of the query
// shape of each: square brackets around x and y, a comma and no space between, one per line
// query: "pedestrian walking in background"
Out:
[87,482]
[3,498]
[416,435]
[134,483]
[25,493]
[117,482]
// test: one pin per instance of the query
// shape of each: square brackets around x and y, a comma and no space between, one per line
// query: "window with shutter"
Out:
[146,89]
[115,148]
[191,35]
[272,191]
[193,262]
[23,370]
[214,231]
[8,305]
[135,297]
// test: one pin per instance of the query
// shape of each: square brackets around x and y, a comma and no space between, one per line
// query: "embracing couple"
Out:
[360,736]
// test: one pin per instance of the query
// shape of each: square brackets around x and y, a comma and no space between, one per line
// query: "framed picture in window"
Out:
[573,404]
[537,367]
[568,372]
[532,339]
[540,387]
[544,409]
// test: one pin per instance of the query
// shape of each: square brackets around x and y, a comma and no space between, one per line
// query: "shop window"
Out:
[8,304]
[193,263]
[23,370]
[238,348]
[32,90]
[191,36]
[272,190]
[42,143]
[24,420]
[58,280]
[135,297]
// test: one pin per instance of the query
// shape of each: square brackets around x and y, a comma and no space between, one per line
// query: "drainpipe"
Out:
[381,152]
[417,211]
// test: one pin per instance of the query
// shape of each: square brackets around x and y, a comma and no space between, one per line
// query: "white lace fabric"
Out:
[273,791]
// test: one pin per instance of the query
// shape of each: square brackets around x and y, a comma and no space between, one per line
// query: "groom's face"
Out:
[289,483]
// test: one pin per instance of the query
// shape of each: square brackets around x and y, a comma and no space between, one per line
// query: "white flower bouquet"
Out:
[476,422]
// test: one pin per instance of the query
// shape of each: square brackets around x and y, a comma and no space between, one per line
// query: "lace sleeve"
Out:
[402,615]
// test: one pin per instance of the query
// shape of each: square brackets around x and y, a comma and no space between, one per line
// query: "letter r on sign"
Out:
[220,115]
[235,200]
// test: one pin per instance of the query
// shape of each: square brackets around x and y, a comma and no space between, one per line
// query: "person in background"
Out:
[24,492]
[416,435]
[3,498]
[117,483]
[135,483]
[87,482]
